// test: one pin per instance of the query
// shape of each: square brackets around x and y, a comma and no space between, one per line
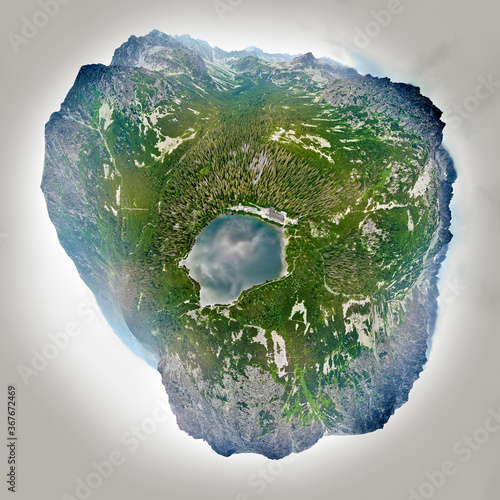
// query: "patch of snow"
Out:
[237,336]
[193,314]
[338,217]
[157,114]
[168,144]
[320,140]
[260,337]
[359,322]
[352,302]
[198,87]
[279,353]
[287,136]
[329,364]
[380,206]
[411,226]
[225,313]
[105,113]
[325,314]
[301,308]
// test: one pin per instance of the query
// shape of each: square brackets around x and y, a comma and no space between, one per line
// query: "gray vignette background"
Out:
[92,419]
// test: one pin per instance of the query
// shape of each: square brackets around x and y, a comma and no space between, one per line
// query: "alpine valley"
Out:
[146,152]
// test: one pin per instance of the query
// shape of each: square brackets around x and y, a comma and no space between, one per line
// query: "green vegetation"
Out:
[177,154]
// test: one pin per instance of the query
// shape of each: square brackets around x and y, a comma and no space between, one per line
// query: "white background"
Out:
[81,406]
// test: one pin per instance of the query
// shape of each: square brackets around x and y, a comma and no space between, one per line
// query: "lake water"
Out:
[234,253]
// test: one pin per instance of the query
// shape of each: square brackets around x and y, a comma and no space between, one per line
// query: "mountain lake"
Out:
[234,253]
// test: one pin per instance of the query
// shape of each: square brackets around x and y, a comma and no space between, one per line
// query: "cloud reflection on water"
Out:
[231,254]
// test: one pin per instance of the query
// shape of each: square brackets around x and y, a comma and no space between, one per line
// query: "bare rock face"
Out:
[227,416]
[147,151]
[158,51]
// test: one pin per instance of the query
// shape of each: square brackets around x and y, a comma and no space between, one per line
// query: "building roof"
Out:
[278,216]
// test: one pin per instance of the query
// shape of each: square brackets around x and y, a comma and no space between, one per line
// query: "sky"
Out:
[88,412]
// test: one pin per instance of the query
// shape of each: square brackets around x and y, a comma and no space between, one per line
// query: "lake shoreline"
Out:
[234,253]
[283,242]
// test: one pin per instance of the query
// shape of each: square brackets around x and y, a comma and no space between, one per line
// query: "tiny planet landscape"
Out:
[269,227]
